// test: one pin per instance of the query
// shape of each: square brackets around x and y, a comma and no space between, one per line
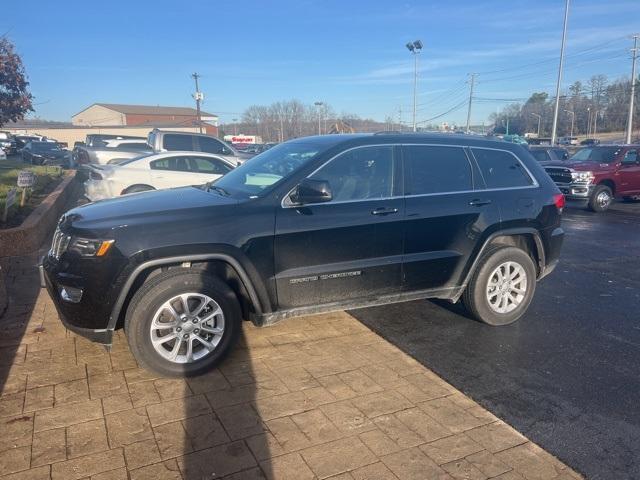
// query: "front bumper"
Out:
[576,191]
[103,336]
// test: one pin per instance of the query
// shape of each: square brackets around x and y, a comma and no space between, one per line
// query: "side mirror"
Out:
[311,191]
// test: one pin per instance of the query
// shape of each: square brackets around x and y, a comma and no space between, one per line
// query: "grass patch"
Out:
[47,177]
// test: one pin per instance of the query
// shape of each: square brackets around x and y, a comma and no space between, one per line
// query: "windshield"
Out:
[254,176]
[596,154]
[44,146]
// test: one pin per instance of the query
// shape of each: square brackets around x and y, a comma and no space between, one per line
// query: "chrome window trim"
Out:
[396,197]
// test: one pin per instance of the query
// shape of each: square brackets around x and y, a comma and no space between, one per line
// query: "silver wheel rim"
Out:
[507,287]
[187,328]
[603,199]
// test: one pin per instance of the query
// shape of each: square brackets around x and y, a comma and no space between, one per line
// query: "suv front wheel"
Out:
[502,286]
[182,323]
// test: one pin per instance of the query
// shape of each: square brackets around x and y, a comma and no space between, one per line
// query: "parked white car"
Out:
[154,172]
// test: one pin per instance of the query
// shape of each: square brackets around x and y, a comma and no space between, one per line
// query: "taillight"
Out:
[96,176]
[559,201]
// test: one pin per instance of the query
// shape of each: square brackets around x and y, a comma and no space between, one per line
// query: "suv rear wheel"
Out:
[182,323]
[502,286]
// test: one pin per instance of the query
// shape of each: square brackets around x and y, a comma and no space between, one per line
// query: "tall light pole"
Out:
[539,119]
[573,118]
[634,52]
[235,126]
[557,106]
[415,48]
[198,96]
[472,82]
[589,122]
[319,104]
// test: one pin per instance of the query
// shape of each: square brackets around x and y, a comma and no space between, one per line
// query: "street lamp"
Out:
[319,104]
[415,48]
[573,117]
[539,117]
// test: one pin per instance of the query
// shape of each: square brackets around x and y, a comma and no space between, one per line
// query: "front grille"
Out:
[59,244]
[559,174]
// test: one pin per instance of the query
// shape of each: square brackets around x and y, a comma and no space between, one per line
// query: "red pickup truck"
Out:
[598,174]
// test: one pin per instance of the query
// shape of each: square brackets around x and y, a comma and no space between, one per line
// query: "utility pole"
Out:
[589,123]
[472,81]
[634,52]
[319,104]
[595,123]
[400,118]
[573,117]
[235,126]
[198,97]
[557,106]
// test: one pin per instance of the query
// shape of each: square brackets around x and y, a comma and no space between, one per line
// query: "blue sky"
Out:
[350,54]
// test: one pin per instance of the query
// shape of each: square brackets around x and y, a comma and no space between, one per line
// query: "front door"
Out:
[445,216]
[629,173]
[349,247]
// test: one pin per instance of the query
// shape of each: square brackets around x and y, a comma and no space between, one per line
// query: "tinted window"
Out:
[630,157]
[436,170]
[211,145]
[359,174]
[501,169]
[209,165]
[596,154]
[178,142]
[175,164]
[540,155]
[561,153]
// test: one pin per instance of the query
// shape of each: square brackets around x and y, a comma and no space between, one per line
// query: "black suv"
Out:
[311,225]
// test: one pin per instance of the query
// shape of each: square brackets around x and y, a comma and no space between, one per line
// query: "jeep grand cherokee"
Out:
[312,225]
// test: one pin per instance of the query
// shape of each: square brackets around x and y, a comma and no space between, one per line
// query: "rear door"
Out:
[175,171]
[347,248]
[445,215]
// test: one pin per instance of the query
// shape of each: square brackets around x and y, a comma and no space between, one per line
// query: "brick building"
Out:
[118,115]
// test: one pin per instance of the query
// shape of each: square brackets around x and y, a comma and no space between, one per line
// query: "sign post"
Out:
[26,179]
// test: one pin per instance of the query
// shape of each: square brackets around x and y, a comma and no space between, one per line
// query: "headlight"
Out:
[90,248]
[582,177]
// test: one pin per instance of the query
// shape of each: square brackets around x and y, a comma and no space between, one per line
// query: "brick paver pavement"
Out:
[314,397]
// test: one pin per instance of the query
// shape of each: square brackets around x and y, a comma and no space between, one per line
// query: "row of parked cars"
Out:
[34,149]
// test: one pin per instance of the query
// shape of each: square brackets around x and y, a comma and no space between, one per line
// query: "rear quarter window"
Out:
[501,169]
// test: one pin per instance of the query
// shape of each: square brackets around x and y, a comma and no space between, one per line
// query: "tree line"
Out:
[595,106]
[283,120]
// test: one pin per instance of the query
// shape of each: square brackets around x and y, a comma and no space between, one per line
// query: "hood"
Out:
[580,166]
[143,208]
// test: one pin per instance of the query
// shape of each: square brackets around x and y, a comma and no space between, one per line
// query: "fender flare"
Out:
[505,233]
[244,277]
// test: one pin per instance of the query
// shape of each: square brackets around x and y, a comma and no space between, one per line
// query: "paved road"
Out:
[567,375]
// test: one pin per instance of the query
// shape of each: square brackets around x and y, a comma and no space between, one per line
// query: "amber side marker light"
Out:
[104,248]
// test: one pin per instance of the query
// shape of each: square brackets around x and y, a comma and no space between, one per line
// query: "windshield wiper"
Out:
[209,186]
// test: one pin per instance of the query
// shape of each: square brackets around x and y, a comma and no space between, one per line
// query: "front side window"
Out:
[630,157]
[359,174]
[596,154]
[211,145]
[435,169]
[178,142]
[540,155]
[210,166]
[501,169]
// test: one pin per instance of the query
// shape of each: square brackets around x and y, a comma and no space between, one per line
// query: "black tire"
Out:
[138,188]
[475,295]
[597,202]
[162,288]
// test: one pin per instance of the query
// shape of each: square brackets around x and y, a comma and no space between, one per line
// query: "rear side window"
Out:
[501,169]
[433,169]
[540,155]
[178,142]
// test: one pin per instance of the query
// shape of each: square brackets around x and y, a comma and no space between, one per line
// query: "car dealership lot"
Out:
[566,375]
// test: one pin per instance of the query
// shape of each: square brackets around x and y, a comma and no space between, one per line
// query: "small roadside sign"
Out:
[26,179]
[10,199]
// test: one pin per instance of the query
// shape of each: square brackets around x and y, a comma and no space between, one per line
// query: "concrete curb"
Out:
[4,297]
[29,236]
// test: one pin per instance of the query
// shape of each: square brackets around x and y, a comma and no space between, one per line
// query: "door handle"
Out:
[478,202]
[384,211]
